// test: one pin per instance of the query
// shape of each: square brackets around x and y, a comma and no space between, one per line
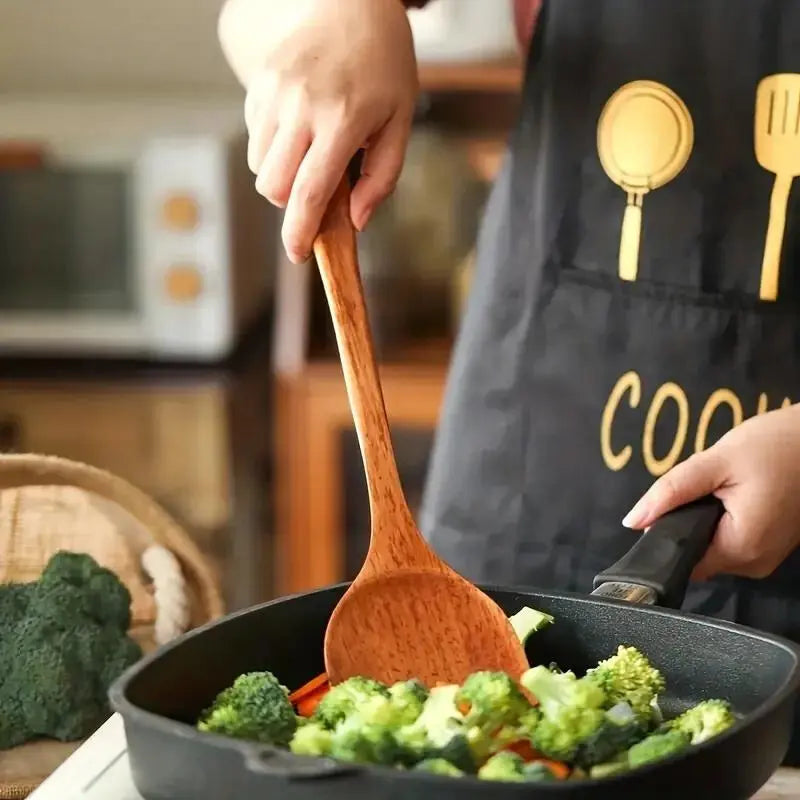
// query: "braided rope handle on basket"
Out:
[172,603]
[161,562]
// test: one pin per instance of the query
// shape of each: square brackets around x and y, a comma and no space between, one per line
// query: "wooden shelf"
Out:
[480,76]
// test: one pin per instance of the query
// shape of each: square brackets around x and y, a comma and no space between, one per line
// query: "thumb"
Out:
[380,170]
[698,476]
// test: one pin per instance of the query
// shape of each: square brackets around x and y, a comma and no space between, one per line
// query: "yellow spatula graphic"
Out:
[777,145]
[645,136]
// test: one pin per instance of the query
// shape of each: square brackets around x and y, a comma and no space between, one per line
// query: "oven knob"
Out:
[181,212]
[183,283]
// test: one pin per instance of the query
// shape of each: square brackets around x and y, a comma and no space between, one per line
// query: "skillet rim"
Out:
[122,705]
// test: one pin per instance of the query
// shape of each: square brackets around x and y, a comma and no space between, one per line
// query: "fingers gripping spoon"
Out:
[407,613]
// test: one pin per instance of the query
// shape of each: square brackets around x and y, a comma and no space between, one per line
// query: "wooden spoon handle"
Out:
[336,255]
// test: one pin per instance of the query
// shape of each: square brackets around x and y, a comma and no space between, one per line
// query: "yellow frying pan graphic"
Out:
[645,136]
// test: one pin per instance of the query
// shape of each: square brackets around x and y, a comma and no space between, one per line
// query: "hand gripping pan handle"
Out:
[660,564]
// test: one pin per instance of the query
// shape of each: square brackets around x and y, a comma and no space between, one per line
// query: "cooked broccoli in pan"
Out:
[438,766]
[704,720]
[552,725]
[512,768]
[572,711]
[255,707]
[657,746]
[343,700]
[311,739]
[629,677]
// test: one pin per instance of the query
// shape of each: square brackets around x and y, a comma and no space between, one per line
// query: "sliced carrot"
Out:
[464,707]
[308,704]
[558,768]
[309,688]
[524,750]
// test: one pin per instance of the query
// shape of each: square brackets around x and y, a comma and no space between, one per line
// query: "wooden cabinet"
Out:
[198,443]
[171,442]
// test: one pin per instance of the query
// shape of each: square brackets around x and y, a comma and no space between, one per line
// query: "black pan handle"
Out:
[663,558]
[284,764]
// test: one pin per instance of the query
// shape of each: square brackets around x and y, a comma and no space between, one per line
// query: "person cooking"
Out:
[632,338]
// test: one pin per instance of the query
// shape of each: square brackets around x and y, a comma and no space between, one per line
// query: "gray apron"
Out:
[581,374]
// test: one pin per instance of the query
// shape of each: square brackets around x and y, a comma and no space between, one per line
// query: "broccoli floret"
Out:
[614,767]
[536,772]
[105,598]
[14,599]
[255,707]
[571,711]
[510,767]
[491,700]
[629,677]
[504,766]
[408,699]
[58,653]
[620,729]
[438,766]
[528,621]
[438,732]
[458,751]
[311,739]
[364,743]
[345,698]
[704,721]
[656,747]
[496,712]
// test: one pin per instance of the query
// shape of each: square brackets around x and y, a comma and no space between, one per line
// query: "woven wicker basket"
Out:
[49,504]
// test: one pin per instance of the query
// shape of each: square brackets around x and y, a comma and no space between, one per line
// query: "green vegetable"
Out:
[346,698]
[619,730]
[656,747]
[511,768]
[707,719]
[364,743]
[495,711]
[255,707]
[63,641]
[503,766]
[614,767]
[439,732]
[571,709]
[629,677]
[599,725]
[528,621]
[537,771]
[407,699]
[438,766]
[311,739]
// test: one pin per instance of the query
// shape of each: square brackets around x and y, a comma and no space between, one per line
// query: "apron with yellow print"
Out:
[637,290]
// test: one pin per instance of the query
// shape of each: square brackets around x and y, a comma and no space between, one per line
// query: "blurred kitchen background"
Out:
[148,321]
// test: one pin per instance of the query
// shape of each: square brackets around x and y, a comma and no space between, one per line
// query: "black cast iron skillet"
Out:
[161,697]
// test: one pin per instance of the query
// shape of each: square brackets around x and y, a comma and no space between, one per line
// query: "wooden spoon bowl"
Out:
[407,614]
[434,626]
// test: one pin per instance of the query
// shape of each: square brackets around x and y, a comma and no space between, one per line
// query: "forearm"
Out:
[247,31]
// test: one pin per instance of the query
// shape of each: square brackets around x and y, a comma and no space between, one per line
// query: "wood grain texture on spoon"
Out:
[407,613]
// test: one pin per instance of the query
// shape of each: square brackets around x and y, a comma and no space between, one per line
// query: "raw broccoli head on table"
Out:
[63,641]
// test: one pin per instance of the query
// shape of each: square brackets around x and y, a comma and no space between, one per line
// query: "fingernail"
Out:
[636,517]
[363,219]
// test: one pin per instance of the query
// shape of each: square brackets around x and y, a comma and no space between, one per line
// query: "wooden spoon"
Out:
[407,614]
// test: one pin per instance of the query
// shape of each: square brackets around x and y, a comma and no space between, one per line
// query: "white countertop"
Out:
[99,771]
